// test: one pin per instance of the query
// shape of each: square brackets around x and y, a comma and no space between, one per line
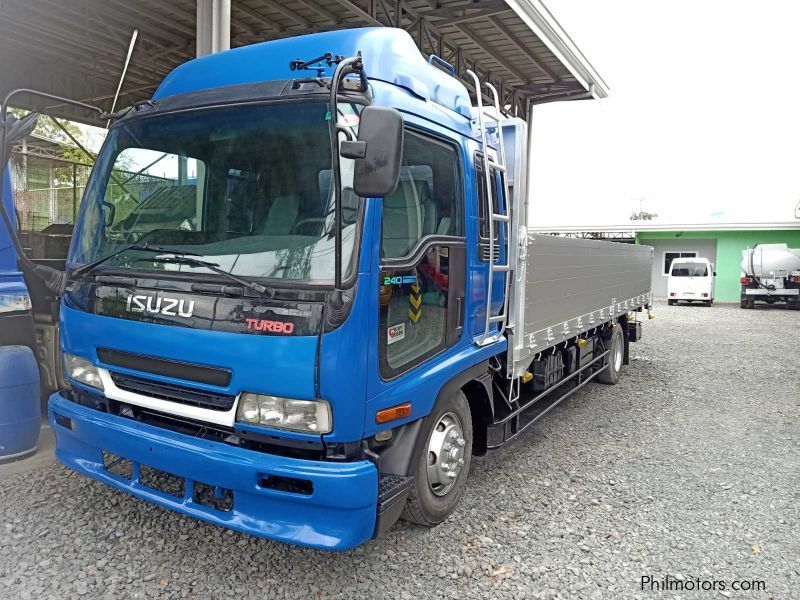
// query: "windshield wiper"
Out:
[179,258]
[89,267]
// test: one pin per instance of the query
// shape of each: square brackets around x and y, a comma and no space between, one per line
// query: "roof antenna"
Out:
[124,72]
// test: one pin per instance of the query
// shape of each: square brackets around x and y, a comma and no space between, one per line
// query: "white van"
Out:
[691,279]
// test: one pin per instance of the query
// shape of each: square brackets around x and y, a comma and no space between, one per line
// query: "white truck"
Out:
[771,273]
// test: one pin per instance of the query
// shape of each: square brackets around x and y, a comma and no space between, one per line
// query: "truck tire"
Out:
[441,462]
[610,375]
[670,302]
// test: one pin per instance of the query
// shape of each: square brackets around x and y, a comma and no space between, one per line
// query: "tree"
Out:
[46,127]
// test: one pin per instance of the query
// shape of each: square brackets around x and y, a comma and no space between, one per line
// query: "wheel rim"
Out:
[617,356]
[445,454]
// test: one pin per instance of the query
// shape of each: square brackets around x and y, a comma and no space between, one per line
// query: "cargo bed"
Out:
[564,287]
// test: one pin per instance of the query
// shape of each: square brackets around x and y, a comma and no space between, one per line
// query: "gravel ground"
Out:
[688,468]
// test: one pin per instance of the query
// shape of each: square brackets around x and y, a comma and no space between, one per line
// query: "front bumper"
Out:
[776,292]
[339,513]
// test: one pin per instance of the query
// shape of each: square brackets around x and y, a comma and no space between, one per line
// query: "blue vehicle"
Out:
[307,311]
[16,322]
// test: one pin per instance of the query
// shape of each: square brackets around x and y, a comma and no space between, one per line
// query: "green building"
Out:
[721,243]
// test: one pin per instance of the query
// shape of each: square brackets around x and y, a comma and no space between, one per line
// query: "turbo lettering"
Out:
[281,327]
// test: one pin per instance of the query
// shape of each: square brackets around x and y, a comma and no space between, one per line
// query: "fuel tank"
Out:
[769,259]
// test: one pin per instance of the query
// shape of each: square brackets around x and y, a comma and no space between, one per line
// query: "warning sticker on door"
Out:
[395,333]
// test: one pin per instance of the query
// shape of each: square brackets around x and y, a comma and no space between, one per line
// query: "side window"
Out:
[424,202]
[415,298]
[482,208]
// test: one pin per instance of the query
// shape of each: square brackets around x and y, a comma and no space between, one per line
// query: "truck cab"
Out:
[278,334]
[300,293]
[691,280]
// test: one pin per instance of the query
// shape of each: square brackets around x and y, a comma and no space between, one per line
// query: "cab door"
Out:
[421,261]
[422,266]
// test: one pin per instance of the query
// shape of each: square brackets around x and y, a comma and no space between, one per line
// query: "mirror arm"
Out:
[344,68]
[53,279]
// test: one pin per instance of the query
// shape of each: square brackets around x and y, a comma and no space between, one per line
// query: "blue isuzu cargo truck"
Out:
[317,299]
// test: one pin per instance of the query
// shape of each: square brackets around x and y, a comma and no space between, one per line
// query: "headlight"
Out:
[14,302]
[309,416]
[83,371]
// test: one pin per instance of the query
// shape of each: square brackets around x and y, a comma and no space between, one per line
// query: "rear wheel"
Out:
[441,466]
[610,375]
[707,302]
[671,302]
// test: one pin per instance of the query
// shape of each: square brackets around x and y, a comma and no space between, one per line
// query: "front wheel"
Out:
[441,465]
[610,375]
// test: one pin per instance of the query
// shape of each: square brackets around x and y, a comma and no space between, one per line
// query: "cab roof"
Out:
[389,55]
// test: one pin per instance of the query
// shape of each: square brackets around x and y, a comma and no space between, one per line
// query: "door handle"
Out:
[460,312]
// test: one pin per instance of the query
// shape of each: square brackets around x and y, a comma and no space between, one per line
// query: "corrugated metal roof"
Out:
[77,48]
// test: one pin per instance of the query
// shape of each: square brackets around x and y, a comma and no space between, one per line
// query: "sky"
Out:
[702,123]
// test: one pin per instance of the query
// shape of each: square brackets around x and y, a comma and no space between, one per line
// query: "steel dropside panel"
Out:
[571,285]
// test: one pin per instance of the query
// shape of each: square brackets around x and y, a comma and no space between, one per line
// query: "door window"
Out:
[415,279]
[425,201]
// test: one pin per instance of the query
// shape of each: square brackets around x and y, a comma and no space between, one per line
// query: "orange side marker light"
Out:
[393,413]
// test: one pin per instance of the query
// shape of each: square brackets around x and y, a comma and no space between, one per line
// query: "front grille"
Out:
[173,393]
[165,367]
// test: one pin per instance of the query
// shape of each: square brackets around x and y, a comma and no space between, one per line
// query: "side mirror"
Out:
[715,273]
[19,128]
[378,152]
[23,127]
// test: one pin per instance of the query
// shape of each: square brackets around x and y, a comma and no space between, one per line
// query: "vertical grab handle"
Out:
[438,60]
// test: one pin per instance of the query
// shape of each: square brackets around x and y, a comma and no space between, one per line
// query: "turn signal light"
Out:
[795,279]
[746,280]
[393,413]
[672,293]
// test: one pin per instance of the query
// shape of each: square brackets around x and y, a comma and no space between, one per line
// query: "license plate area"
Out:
[168,484]
[162,481]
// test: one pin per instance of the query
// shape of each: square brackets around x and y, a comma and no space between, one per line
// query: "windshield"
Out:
[248,188]
[690,270]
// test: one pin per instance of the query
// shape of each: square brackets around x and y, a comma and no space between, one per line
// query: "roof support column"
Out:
[528,213]
[213,26]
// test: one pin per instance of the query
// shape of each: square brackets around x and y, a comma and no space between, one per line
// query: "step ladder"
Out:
[501,219]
